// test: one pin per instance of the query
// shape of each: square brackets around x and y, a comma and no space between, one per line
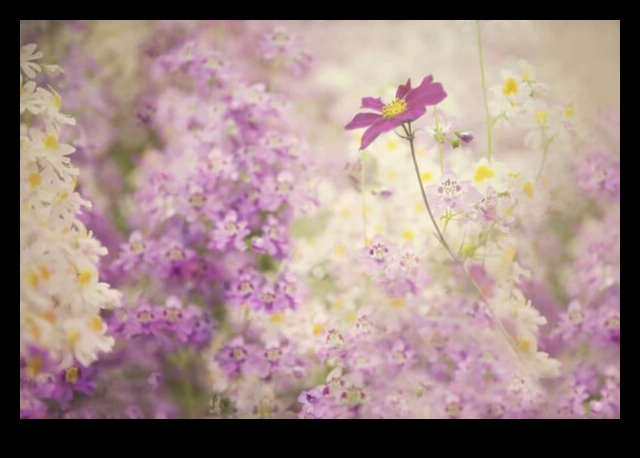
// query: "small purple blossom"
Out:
[73,379]
[452,195]
[237,358]
[599,175]
[274,239]
[377,254]
[231,231]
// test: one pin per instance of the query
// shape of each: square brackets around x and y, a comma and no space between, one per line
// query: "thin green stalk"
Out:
[484,91]
[456,259]
[439,139]
[410,137]
[544,155]
[362,191]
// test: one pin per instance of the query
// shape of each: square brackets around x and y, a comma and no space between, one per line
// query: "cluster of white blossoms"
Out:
[60,293]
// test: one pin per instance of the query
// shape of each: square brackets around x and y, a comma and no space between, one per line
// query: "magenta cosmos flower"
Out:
[408,105]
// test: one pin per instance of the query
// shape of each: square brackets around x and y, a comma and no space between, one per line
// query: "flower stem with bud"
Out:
[410,136]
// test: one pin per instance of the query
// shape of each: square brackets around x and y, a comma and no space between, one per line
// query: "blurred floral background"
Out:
[319,219]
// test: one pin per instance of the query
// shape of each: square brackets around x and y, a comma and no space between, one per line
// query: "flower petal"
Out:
[411,114]
[363,120]
[402,90]
[372,103]
[380,126]
[428,93]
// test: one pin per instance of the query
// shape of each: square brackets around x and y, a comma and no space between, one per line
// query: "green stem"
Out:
[456,260]
[410,136]
[362,191]
[446,223]
[544,154]
[439,140]
[484,91]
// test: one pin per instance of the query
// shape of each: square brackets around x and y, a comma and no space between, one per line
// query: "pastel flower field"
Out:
[320,219]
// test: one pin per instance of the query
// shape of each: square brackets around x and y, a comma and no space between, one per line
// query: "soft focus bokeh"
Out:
[320,219]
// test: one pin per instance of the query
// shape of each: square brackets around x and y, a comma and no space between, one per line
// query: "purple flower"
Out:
[243,286]
[144,320]
[571,321]
[199,325]
[280,46]
[273,241]
[173,319]
[377,254]
[270,299]
[403,272]
[465,137]
[132,253]
[599,175]
[233,358]
[288,287]
[281,359]
[452,194]
[70,380]
[409,105]
[229,231]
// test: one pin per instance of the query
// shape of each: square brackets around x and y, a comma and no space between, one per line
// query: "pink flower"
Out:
[408,106]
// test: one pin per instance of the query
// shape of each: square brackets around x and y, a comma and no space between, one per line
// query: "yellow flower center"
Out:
[352,397]
[393,109]
[482,173]
[50,316]
[528,189]
[453,409]
[73,337]
[510,86]
[238,354]
[84,276]
[280,37]
[398,302]
[277,318]
[50,141]
[71,374]
[568,112]
[408,236]
[524,345]
[57,101]
[32,279]
[613,323]
[576,316]
[317,329]
[508,256]
[34,179]
[34,366]
[542,117]
[197,200]
[44,272]
[96,324]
